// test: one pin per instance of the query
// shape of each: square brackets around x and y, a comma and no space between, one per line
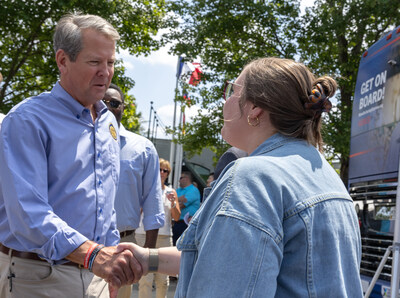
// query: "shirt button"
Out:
[101,211]
[99,182]
[78,116]
[98,155]
[97,238]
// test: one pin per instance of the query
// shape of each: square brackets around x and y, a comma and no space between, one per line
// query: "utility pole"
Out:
[154,124]
[151,110]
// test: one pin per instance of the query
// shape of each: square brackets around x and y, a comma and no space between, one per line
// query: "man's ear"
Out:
[62,60]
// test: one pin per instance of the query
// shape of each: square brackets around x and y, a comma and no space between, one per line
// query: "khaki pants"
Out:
[30,278]
[161,280]
[126,291]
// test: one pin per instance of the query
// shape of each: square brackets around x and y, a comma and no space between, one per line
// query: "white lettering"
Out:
[380,79]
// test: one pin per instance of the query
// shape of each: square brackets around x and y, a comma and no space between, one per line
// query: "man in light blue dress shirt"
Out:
[139,188]
[59,157]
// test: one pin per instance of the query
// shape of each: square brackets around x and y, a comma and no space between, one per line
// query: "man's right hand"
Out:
[117,268]
[141,254]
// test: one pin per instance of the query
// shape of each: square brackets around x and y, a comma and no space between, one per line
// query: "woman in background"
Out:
[164,239]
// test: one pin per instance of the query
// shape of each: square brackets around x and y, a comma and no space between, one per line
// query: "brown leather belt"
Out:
[31,256]
[126,233]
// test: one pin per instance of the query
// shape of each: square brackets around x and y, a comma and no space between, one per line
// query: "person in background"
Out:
[164,239]
[229,155]
[210,179]
[59,176]
[280,222]
[189,203]
[139,188]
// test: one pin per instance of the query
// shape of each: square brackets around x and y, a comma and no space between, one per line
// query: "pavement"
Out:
[170,294]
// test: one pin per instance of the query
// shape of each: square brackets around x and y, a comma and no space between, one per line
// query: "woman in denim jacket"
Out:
[279,223]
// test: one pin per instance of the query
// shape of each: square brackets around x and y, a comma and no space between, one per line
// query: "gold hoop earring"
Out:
[251,124]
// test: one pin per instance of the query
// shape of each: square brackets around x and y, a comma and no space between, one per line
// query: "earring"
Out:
[251,124]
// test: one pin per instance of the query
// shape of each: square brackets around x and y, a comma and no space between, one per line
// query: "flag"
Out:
[179,67]
[190,72]
[188,101]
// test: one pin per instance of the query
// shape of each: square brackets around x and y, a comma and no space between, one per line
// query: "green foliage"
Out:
[130,119]
[27,57]
[226,34]
[330,38]
[334,35]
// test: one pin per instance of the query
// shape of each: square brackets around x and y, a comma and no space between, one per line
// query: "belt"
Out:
[31,256]
[126,233]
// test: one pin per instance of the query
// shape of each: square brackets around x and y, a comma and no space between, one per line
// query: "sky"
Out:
[155,80]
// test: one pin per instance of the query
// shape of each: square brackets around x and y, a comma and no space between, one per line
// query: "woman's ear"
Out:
[255,112]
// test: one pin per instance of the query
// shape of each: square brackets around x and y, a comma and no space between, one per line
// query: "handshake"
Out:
[126,263]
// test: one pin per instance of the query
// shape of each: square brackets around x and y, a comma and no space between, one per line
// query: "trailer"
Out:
[374,160]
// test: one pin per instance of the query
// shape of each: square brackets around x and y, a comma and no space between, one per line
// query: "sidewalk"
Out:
[170,294]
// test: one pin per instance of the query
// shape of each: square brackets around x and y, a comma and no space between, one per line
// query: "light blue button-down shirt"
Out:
[58,175]
[140,184]
[278,223]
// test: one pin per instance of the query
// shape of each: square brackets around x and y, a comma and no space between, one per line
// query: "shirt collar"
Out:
[73,105]
[273,142]
[122,131]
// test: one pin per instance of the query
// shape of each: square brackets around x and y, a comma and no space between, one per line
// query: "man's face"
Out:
[88,78]
[184,181]
[114,103]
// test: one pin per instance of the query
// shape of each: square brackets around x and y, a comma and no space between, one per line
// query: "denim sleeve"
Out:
[153,207]
[234,250]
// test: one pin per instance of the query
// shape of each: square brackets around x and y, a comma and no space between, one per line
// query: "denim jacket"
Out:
[278,223]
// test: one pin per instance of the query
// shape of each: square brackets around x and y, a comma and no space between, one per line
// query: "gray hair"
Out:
[68,32]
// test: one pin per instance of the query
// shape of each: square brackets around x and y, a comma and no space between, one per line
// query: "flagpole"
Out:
[178,158]
[173,147]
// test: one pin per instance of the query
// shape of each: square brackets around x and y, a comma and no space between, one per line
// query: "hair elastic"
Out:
[319,101]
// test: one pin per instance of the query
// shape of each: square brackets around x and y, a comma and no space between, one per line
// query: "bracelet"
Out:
[93,255]
[153,260]
[87,256]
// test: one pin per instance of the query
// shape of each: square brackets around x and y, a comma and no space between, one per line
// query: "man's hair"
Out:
[282,87]
[113,86]
[68,32]
[188,174]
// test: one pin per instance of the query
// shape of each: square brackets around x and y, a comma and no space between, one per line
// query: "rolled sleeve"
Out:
[153,209]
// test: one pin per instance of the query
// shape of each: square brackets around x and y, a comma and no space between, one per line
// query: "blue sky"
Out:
[155,80]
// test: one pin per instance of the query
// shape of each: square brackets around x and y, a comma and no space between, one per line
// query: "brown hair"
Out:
[164,164]
[282,87]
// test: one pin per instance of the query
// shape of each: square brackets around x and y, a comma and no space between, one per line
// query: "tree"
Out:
[334,36]
[226,34]
[26,54]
